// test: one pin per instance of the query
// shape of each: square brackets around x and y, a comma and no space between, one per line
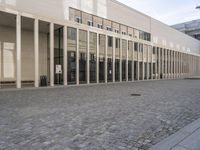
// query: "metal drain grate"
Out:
[135,94]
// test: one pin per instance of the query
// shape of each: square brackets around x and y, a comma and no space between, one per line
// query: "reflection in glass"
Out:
[109,71]
[145,71]
[82,56]
[58,54]
[135,70]
[102,58]
[123,70]
[93,56]
[109,60]
[117,70]
[150,71]
[129,70]
[71,54]
[117,59]
[130,57]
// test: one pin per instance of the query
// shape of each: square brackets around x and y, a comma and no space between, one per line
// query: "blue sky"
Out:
[167,11]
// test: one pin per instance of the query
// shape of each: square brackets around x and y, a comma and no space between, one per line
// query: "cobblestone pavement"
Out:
[98,117]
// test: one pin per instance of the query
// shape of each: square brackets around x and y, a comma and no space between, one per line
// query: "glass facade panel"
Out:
[93,56]
[58,54]
[109,60]
[135,70]
[124,54]
[102,45]
[82,56]
[150,71]
[117,60]
[71,54]
[130,59]
[145,70]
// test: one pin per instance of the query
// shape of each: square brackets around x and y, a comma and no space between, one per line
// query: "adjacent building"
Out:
[191,28]
[72,42]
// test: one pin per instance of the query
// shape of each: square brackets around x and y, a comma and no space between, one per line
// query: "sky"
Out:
[167,11]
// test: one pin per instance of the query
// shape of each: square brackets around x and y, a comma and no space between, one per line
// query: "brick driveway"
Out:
[98,116]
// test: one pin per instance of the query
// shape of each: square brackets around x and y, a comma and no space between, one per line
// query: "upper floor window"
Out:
[100,26]
[90,23]
[135,47]
[109,28]
[78,19]
[71,33]
[110,41]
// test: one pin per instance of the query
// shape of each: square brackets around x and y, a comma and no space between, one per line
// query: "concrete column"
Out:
[138,63]
[127,61]
[65,54]
[189,65]
[18,47]
[163,65]
[1,59]
[159,64]
[148,50]
[166,64]
[36,51]
[152,63]
[77,57]
[106,60]
[179,65]
[156,63]
[171,58]
[97,65]
[174,64]
[113,57]
[88,57]
[143,69]
[51,54]
[120,64]
[133,55]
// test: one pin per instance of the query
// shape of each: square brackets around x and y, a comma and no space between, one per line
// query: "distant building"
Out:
[191,28]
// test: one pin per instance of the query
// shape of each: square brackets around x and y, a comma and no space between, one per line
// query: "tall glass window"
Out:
[71,54]
[141,63]
[58,54]
[82,56]
[124,53]
[135,61]
[109,61]
[93,56]
[117,60]
[102,45]
[130,58]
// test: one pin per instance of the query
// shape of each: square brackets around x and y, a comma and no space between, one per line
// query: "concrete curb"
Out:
[175,139]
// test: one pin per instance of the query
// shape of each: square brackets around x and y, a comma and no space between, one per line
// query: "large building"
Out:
[192,28]
[87,42]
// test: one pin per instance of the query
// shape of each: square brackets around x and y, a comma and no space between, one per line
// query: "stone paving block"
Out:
[97,117]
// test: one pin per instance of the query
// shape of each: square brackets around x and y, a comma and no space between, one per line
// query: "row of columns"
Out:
[178,68]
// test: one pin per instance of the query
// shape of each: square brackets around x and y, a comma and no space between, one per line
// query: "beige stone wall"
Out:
[8,36]
[162,35]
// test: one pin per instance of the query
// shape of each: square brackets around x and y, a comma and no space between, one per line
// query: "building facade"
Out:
[77,42]
[191,28]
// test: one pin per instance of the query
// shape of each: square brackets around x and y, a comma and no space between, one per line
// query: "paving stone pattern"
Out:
[98,117]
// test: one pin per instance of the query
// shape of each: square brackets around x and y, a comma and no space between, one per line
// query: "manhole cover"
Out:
[135,94]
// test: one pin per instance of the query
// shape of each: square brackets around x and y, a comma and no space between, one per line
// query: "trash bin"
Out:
[43,80]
